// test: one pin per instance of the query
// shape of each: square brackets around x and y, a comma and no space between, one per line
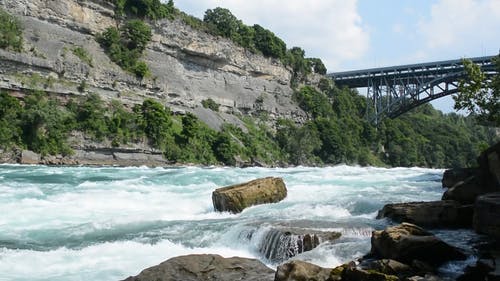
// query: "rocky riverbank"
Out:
[405,251]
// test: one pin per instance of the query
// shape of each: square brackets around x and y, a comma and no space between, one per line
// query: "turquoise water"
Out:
[107,223]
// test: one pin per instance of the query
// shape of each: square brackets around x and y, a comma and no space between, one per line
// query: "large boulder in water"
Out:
[447,213]
[487,214]
[206,267]
[407,242]
[235,198]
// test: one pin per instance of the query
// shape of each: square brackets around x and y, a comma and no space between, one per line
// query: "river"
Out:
[106,223]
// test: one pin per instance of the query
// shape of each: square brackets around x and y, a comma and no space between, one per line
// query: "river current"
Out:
[107,223]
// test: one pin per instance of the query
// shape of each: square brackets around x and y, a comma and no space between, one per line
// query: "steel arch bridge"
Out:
[395,90]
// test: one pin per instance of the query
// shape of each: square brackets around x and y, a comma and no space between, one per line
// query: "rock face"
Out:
[446,213]
[407,242]
[235,198]
[489,160]
[453,176]
[487,215]
[468,190]
[187,65]
[280,244]
[206,267]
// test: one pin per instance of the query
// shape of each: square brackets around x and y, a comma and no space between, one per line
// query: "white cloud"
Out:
[462,25]
[329,29]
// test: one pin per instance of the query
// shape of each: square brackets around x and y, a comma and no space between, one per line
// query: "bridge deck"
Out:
[412,73]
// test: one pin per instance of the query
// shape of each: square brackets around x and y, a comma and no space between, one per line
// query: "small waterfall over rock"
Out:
[279,245]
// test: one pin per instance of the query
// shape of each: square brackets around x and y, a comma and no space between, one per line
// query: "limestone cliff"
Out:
[187,65]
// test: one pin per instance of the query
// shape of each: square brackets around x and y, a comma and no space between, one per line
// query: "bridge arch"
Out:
[395,90]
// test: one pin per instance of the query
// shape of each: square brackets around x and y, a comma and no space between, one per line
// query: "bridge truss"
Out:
[392,91]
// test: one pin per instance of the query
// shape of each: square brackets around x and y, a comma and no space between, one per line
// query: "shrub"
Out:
[83,55]
[11,32]
[210,104]
[125,46]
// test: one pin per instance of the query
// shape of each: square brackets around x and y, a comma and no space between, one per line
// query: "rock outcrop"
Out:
[235,198]
[407,242]
[453,176]
[445,213]
[487,215]
[468,190]
[206,267]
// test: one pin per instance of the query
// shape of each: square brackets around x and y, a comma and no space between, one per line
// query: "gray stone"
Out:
[407,242]
[453,176]
[445,213]
[235,198]
[29,157]
[299,270]
[206,267]
[468,190]
[487,214]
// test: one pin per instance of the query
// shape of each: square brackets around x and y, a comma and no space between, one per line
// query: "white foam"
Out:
[108,261]
[129,203]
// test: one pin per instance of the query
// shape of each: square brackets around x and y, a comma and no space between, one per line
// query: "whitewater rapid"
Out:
[107,223]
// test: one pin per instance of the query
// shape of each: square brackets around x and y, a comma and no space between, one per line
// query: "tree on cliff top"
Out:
[479,95]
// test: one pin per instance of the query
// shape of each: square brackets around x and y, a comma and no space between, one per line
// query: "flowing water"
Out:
[106,223]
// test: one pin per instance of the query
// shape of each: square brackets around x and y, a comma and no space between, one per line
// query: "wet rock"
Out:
[392,267]
[29,157]
[426,277]
[487,214]
[407,242]
[235,198]
[489,161]
[299,270]
[468,190]
[445,213]
[206,267]
[280,244]
[453,176]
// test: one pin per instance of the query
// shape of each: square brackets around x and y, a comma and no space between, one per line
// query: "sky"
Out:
[360,34]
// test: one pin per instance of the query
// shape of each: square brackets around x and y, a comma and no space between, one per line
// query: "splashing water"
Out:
[89,223]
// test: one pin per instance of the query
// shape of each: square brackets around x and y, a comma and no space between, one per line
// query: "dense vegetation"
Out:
[11,32]
[337,132]
[125,46]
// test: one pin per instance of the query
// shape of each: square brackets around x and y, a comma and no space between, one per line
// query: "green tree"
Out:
[10,126]
[268,43]
[44,125]
[223,21]
[317,65]
[91,117]
[156,123]
[11,32]
[478,95]
[136,35]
